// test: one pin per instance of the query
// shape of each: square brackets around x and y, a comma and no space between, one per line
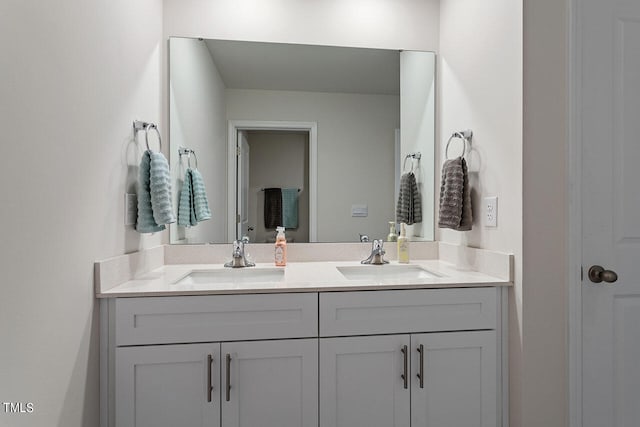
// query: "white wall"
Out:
[390,24]
[417,125]
[198,121]
[73,77]
[480,71]
[355,152]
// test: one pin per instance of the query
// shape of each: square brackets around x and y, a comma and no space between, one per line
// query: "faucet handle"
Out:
[377,243]
[245,239]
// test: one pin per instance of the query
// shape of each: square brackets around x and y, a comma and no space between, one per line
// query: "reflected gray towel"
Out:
[409,206]
[455,196]
[272,207]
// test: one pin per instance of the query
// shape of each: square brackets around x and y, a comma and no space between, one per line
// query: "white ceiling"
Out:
[277,66]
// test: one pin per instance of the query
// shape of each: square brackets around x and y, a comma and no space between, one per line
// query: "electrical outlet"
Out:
[491,211]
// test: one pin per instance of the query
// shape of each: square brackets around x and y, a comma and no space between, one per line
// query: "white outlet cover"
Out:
[490,211]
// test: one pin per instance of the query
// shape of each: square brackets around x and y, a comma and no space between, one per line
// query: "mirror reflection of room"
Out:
[345,173]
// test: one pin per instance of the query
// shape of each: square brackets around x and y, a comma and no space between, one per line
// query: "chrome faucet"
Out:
[377,254]
[239,258]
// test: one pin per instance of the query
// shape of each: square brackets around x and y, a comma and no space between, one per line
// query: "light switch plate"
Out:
[490,211]
[130,209]
[359,211]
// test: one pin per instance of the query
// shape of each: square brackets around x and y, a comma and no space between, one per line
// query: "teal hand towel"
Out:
[186,207]
[145,222]
[201,204]
[193,206]
[160,186]
[290,207]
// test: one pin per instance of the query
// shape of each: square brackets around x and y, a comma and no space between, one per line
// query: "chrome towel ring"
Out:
[465,136]
[146,136]
[145,126]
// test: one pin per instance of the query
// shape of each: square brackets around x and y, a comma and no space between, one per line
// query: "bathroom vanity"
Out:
[325,344]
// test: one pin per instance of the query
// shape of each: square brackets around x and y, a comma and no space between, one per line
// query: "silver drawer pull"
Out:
[209,380]
[228,360]
[421,373]
[405,376]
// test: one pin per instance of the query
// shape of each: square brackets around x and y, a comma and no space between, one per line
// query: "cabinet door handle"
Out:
[228,360]
[209,380]
[405,376]
[421,373]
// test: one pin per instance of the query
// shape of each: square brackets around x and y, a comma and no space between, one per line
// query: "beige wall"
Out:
[74,75]
[544,375]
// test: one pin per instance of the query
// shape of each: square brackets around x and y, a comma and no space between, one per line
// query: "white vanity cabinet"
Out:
[387,358]
[414,379]
[211,379]
[169,385]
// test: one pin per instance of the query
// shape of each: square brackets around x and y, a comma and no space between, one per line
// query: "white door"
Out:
[168,386]
[362,381]
[454,379]
[270,383]
[610,131]
[242,190]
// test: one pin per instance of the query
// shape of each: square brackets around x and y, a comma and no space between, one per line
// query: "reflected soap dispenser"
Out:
[393,236]
[281,248]
[403,245]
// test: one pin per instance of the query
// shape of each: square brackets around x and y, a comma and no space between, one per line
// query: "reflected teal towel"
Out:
[193,206]
[290,207]
[200,201]
[154,194]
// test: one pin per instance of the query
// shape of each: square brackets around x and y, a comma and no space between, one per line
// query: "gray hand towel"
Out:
[409,206]
[455,196]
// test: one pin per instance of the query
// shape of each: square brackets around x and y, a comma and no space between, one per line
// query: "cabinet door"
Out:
[361,381]
[459,380]
[270,383]
[168,386]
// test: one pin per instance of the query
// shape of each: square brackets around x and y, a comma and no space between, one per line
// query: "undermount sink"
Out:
[232,275]
[386,272]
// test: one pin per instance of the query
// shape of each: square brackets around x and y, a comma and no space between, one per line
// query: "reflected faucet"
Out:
[239,258]
[377,254]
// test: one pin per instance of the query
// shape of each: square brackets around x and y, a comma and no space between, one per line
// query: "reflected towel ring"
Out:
[146,136]
[182,151]
[465,136]
[194,157]
[412,156]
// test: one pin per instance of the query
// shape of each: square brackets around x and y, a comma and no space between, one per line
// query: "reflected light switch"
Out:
[359,211]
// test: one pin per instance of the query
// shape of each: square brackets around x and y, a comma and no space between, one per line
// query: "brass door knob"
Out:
[598,274]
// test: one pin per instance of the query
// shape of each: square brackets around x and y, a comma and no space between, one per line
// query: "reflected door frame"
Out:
[234,126]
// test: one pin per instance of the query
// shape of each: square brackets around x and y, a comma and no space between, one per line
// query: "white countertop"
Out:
[298,277]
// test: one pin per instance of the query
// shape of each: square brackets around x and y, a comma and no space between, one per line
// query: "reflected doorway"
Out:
[270,160]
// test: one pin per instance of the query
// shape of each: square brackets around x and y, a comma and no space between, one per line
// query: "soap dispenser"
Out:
[403,245]
[393,236]
[281,248]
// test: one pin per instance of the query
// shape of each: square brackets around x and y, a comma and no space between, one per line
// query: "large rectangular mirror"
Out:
[314,138]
